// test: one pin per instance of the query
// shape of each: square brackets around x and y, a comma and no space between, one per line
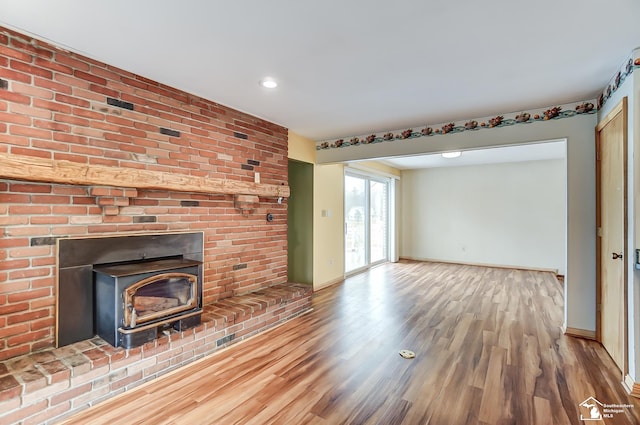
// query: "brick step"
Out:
[54,383]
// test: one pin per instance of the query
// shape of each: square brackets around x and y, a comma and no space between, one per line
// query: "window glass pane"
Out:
[378,220]
[355,216]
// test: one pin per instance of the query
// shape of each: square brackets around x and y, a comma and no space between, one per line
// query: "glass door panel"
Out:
[378,219]
[356,215]
[366,213]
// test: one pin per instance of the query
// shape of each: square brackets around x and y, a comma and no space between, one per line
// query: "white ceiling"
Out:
[349,67]
[554,149]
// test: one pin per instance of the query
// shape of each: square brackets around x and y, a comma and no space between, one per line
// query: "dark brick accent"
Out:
[190,203]
[49,240]
[253,162]
[145,219]
[120,103]
[4,84]
[225,339]
[240,266]
[169,132]
[246,167]
[240,135]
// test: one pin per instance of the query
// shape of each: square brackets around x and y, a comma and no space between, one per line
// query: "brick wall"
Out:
[63,106]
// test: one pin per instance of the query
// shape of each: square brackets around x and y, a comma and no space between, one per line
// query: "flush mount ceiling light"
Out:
[454,154]
[268,83]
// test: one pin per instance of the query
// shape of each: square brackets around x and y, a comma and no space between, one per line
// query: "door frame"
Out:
[620,108]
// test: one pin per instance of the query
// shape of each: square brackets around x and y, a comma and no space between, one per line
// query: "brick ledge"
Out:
[49,385]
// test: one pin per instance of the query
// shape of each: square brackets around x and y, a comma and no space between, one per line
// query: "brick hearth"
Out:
[49,385]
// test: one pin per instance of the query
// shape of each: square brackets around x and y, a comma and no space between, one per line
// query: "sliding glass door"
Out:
[366,221]
[355,215]
[378,220]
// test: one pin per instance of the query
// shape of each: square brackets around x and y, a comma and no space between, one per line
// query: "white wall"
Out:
[501,214]
[328,232]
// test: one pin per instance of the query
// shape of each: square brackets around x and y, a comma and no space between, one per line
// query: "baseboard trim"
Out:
[328,283]
[580,333]
[632,387]
[496,266]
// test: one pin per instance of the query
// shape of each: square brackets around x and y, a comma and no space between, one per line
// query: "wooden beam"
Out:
[20,167]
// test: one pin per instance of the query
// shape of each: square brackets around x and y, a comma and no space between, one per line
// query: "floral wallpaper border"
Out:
[553,113]
[630,66]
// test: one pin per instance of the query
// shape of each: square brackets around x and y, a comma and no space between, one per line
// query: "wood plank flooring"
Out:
[489,351]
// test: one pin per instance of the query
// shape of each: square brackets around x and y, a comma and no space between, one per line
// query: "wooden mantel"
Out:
[20,167]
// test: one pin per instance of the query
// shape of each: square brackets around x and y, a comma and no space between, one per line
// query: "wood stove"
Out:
[134,301]
[125,261]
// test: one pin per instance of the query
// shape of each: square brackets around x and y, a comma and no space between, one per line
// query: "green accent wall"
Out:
[300,222]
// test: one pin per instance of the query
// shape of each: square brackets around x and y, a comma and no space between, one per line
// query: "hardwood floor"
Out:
[488,343]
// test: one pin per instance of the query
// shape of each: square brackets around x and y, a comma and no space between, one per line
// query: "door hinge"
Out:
[599,232]
[598,307]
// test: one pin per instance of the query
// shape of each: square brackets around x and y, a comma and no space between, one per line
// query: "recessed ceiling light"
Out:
[454,154]
[268,83]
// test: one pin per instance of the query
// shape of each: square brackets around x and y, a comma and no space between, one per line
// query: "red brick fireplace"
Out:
[86,150]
